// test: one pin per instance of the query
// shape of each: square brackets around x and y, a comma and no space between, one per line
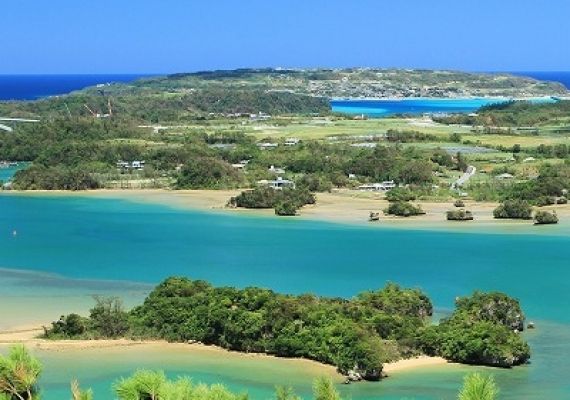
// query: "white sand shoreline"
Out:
[348,207]
[30,337]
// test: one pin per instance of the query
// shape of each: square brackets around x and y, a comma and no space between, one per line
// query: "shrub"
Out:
[400,194]
[545,201]
[482,330]
[514,209]
[403,209]
[286,208]
[545,217]
[264,197]
[459,215]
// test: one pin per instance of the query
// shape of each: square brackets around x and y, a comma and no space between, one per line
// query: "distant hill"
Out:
[181,97]
[360,82]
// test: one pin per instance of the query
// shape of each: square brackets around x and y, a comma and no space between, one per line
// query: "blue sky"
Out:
[159,36]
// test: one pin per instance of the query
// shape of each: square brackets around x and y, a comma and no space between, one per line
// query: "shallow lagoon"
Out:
[68,248]
[417,106]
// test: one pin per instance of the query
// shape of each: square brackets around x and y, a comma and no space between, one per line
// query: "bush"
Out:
[400,194]
[207,173]
[545,217]
[545,201]
[38,177]
[265,197]
[514,209]
[459,215]
[482,330]
[459,203]
[286,208]
[403,209]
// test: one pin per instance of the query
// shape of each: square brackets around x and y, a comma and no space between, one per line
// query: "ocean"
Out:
[555,76]
[32,87]
[70,247]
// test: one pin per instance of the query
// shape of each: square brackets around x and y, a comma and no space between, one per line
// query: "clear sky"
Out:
[159,36]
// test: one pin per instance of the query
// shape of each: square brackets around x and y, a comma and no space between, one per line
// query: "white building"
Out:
[377,187]
[277,184]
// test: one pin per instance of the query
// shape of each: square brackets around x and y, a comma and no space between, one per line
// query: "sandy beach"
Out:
[340,206]
[30,337]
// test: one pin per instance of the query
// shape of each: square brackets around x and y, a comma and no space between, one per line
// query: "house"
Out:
[277,184]
[366,145]
[267,146]
[137,164]
[274,170]
[259,116]
[504,176]
[292,141]
[529,159]
[238,166]
[376,187]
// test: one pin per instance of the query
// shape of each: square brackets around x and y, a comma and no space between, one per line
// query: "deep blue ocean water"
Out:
[31,87]
[555,76]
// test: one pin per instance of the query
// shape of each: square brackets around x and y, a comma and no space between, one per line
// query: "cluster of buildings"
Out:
[378,187]
[136,165]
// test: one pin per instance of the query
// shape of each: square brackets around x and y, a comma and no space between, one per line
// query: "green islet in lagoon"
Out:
[69,247]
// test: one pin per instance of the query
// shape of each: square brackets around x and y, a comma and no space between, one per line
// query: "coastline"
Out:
[346,207]
[29,336]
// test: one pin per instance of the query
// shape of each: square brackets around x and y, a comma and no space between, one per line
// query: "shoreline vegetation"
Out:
[31,336]
[357,336]
[20,374]
[342,206]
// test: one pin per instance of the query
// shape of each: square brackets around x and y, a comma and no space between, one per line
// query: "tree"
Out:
[285,393]
[286,208]
[323,389]
[478,387]
[515,209]
[108,317]
[78,394]
[153,385]
[19,374]
[545,217]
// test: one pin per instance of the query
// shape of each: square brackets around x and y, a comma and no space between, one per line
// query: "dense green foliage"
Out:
[154,385]
[207,172]
[482,330]
[513,114]
[357,335]
[552,181]
[545,218]
[403,209]
[400,194]
[285,202]
[479,387]
[286,208]
[107,319]
[513,209]
[347,334]
[459,215]
[19,374]
[54,178]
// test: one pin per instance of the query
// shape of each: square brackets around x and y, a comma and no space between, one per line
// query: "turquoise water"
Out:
[68,248]
[417,106]
[7,173]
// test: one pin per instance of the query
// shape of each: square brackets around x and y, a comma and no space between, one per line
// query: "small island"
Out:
[357,336]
